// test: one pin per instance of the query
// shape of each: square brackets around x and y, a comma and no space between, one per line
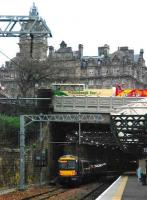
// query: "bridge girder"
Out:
[13,26]
[130,132]
[59,117]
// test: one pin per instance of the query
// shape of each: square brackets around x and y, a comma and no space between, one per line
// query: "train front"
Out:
[68,169]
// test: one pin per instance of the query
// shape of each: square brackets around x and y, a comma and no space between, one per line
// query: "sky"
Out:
[92,23]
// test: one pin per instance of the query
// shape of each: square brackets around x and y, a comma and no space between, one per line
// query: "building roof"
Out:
[134,108]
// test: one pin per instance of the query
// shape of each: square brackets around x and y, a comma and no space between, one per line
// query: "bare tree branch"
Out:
[31,72]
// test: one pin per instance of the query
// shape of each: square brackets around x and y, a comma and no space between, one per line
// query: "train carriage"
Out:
[76,170]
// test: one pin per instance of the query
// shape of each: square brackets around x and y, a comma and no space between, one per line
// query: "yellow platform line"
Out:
[121,187]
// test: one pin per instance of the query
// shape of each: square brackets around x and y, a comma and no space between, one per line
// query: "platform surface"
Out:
[134,190]
[125,188]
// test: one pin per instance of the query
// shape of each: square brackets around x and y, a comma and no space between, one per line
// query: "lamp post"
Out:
[41,147]
[79,141]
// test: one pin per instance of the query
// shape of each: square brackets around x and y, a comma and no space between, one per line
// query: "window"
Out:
[104,72]
[66,86]
[70,164]
[116,71]
[91,82]
[91,72]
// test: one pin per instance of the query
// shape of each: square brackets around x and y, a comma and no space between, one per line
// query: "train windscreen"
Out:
[70,164]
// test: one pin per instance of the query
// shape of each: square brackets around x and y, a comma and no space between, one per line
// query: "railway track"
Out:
[56,192]
[86,191]
[98,190]
[46,195]
[93,194]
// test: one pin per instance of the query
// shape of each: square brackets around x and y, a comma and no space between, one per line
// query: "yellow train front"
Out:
[73,170]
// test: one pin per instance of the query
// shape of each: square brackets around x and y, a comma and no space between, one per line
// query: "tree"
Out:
[31,72]
[26,72]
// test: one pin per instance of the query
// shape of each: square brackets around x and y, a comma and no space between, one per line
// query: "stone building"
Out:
[65,65]
[121,67]
[102,71]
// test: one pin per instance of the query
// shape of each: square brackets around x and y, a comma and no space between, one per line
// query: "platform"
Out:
[125,188]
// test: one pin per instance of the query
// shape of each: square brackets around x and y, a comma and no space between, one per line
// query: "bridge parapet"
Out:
[91,104]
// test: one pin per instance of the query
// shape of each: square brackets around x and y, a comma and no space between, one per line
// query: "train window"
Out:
[70,164]
[85,164]
[63,164]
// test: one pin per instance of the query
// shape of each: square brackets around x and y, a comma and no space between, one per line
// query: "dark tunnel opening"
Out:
[96,143]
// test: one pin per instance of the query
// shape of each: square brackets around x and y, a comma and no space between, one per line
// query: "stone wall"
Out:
[9,167]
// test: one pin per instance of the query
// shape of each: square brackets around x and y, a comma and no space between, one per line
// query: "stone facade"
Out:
[102,71]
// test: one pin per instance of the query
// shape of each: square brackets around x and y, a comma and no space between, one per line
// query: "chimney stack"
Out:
[51,51]
[80,51]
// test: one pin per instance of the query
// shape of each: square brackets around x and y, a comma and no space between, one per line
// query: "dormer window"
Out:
[63,45]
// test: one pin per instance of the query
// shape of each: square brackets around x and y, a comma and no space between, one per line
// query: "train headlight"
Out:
[74,172]
[67,172]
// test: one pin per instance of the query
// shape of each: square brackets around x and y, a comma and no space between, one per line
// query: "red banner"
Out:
[130,92]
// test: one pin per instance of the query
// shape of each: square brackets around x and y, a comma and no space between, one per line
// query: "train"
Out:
[75,170]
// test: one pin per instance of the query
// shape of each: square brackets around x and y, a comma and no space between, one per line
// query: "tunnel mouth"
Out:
[100,145]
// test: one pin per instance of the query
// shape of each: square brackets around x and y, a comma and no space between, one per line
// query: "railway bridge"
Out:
[109,120]
[98,121]
[125,118]
[114,124]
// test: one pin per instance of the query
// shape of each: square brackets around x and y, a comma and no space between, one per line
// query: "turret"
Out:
[30,45]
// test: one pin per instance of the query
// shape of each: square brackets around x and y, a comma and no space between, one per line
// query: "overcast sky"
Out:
[92,23]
